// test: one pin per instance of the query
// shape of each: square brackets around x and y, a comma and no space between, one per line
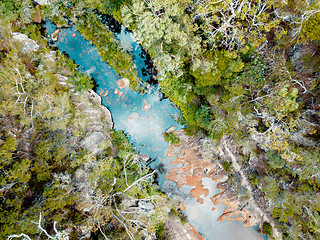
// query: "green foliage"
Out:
[232,81]
[311,28]
[226,166]
[270,187]
[286,210]
[171,138]
[203,117]
[225,82]
[120,141]
[45,168]
[285,102]
[81,82]
[274,159]
[177,213]
[223,66]
[160,232]
[267,229]
[253,76]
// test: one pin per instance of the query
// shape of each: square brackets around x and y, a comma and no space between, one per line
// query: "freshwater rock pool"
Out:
[143,118]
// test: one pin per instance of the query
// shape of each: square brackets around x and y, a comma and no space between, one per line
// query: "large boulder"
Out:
[28,45]
[92,142]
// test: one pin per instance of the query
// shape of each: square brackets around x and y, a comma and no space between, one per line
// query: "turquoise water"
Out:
[144,128]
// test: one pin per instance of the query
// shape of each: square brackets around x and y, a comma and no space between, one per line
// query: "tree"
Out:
[233,23]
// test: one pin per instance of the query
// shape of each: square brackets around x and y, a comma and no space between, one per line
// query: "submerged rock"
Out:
[171,129]
[134,116]
[55,35]
[123,82]
[146,106]
[105,94]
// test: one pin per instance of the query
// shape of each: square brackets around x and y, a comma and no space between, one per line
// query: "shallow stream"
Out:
[144,128]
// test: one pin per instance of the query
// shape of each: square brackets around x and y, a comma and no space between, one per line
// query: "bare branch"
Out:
[25,236]
[41,228]
[139,180]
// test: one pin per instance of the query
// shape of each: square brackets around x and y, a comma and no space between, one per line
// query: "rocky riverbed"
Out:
[196,161]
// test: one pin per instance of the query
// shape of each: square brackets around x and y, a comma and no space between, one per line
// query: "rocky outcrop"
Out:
[228,149]
[43,2]
[55,35]
[146,106]
[171,129]
[50,59]
[123,82]
[98,129]
[199,159]
[178,231]
[138,206]
[98,117]
[28,45]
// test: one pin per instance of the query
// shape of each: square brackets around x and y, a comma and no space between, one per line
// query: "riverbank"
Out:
[145,130]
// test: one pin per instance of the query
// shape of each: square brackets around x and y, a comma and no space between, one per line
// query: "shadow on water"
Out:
[141,57]
[144,127]
[113,25]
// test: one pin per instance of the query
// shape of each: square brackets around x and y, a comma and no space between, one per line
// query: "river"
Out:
[144,127]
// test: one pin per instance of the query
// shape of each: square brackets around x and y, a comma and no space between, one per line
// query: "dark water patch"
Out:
[113,25]
[141,58]
[145,127]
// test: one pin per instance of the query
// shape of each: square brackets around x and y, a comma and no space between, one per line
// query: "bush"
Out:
[267,229]
[81,82]
[171,138]
[311,29]
[160,232]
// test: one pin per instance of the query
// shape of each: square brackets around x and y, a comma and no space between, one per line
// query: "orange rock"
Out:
[146,106]
[194,169]
[181,206]
[195,235]
[197,192]
[37,17]
[123,82]
[106,93]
